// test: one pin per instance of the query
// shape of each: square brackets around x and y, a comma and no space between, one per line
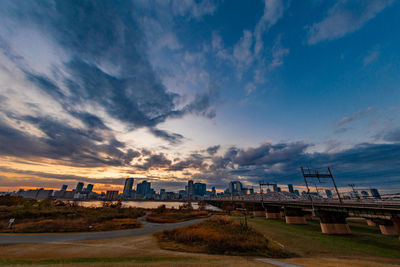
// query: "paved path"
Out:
[148,228]
[279,263]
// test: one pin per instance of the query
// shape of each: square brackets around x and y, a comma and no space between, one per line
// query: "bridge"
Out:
[332,214]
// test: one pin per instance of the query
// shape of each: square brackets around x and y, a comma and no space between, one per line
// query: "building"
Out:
[364,194]
[128,187]
[111,195]
[144,189]
[64,187]
[89,188]
[213,191]
[290,187]
[38,193]
[79,187]
[328,193]
[251,191]
[200,189]
[190,188]
[236,188]
[375,193]
[296,192]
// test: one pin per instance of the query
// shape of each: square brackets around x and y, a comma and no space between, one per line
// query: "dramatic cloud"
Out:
[357,115]
[345,17]
[213,149]
[273,11]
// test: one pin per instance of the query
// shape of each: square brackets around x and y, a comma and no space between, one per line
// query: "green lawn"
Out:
[307,240]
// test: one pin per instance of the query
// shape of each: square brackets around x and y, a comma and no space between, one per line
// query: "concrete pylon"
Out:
[294,216]
[389,227]
[371,222]
[273,212]
[333,222]
[258,213]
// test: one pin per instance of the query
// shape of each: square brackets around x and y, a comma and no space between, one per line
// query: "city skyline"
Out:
[210,91]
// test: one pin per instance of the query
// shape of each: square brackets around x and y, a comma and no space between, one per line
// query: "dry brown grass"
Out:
[219,235]
[50,216]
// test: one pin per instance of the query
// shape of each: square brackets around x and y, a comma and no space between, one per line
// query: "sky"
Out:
[214,91]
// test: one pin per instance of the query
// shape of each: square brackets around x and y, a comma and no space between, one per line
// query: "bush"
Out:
[219,235]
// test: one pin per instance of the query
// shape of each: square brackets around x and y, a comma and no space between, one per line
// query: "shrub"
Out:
[219,235]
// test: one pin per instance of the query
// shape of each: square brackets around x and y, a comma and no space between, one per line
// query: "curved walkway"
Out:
[148,228]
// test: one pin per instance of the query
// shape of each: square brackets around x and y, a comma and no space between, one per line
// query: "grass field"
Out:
[50,216]
[308,241]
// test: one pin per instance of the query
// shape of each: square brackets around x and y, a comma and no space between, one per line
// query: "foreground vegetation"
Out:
[219,235]
[49,216]
[184,213]
[308,241]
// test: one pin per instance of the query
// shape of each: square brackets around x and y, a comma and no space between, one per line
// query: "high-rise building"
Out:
[162,192]
[328,193]
[375,193]
[296,192]
[236,188]
[111,195]
[199,189]
[143,189]
[290,187]
[64,187]
[190,188]
[79,187]
[128,187]
[213,191]
[364,194]
[251,191]
[275,187]
[89,188]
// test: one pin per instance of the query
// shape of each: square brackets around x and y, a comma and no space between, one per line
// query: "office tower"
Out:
[290,187]
[199,189]
[296,192]
[275,187]
[375,193]
[190,188]
[144,189]
[213,192]
[111,195]
[251,191]
[89,188]
[79,187]
[64,187]
[328,193]
[128,187]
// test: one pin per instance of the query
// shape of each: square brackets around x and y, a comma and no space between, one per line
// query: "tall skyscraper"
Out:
[64,187]
[199,189]
[213,191]
[328,193]
[128,187]
[79,187]
[290,187]
[144,189]
[190,188]
[375,193]
[89,188]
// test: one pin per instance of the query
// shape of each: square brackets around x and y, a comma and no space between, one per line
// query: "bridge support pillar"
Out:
[389,227]
[258,213]
[333,223]
[273,212]
[294,216]
[371,222]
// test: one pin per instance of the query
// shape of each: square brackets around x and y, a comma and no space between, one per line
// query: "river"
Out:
[145,204]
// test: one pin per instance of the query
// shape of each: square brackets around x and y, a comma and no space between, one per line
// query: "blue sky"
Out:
[208,90]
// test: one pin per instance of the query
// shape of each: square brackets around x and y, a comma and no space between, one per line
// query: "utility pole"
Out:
[317,175]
